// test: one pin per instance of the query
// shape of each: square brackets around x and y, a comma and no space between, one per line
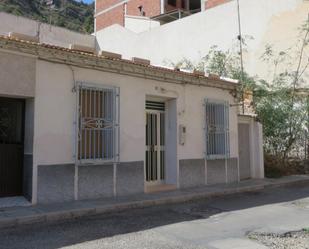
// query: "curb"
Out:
[63,215]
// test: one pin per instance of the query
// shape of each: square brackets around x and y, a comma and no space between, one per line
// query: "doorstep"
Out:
[15,201]
[14,216]
[160,188]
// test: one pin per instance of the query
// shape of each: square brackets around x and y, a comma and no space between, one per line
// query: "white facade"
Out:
[50,123]
[54,129]
[139,24]
[273,22]
[46,79]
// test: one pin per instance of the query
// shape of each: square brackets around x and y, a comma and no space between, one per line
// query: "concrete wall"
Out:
[192,173]
[27,176]
[56,183]
[258,150]
[267,21]
[48,34]
[130,178]
[139,24]
[54,130]
[17,75]
[28,148]
[95,181]
[244,150]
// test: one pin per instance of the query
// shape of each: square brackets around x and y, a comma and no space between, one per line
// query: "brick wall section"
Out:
[151,7]
[213,3]
[116,16]
[104,4]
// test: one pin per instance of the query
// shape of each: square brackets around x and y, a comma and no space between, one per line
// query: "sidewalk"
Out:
[15,216]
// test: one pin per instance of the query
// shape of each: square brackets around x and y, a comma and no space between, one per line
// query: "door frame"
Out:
[159,181]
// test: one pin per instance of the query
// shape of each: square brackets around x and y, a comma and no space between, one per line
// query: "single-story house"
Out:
[78,125]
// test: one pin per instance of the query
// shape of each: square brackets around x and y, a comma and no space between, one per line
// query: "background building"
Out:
[263,22]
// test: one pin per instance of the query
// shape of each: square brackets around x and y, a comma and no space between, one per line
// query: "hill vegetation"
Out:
[77,16]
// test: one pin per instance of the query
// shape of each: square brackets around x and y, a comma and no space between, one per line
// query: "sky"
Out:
[85,1]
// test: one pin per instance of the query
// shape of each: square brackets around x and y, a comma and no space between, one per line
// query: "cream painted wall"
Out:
[17,75]
[55,108]
[54,113]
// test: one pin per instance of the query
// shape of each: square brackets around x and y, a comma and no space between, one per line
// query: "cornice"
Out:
[124,67]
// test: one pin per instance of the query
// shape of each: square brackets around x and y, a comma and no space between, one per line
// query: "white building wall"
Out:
[266,21]
[140,24]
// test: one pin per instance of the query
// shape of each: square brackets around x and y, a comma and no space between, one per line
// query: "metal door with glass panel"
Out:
[155,142]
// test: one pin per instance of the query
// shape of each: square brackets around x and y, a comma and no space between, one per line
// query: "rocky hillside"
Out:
[70,14]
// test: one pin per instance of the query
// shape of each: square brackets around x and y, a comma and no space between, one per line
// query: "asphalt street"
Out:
[214,223]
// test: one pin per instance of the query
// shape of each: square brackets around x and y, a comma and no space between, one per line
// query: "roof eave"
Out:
[119,66]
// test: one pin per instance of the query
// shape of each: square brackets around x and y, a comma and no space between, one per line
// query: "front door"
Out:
[155,142]
[11,146]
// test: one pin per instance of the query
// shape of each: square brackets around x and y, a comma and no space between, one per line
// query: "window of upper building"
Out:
[172,2]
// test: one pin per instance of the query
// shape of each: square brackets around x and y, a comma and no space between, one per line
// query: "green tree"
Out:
[281,108]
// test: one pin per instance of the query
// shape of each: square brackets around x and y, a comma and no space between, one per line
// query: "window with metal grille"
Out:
[97,124]
[217,129]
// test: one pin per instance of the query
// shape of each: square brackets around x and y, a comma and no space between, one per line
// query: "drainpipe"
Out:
[203,5]
[162,7]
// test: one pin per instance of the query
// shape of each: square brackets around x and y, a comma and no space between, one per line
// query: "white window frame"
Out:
[223,129]
[114,123]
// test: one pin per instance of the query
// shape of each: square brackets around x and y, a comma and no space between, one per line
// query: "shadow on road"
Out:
[68,233]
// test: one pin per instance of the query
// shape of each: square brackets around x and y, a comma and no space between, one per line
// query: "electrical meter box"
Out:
[182,134]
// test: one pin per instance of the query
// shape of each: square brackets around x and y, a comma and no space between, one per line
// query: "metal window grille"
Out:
[155,141]
[98,126]
[217,129]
